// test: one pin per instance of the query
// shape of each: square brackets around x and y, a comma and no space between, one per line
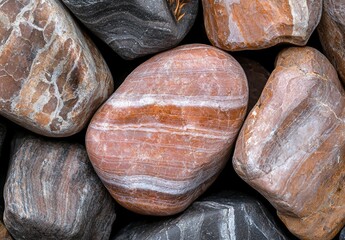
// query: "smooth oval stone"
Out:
[248,25]
[291,146]
[332,34]
[52,192]
[135,28]
[52,78]
[226,215]
[166,133]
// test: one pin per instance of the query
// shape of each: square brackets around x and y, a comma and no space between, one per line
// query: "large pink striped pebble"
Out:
[163,137]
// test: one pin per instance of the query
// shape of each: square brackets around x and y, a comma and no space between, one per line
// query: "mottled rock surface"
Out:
[246,24]
[257,77]
[166,133]
[342,235]
[52,192]
[52,78]
[291,147]
[4,235]
[134,28]
[332,34]
[223,216]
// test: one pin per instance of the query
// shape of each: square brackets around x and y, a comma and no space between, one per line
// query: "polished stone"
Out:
[166,133]
[52,77]
[291,147]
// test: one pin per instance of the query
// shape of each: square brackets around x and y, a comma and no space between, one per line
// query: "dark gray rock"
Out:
[224,216]
[52,192]
[342,234]
[134,28]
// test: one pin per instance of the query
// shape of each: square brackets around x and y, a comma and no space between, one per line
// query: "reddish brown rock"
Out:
[52,78]
[291,147]
[257,77]
[4,235]
[52,192]
[166,133]
[245,24]
[332,34]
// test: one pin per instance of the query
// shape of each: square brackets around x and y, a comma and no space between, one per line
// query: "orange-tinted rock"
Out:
[245,24]
[4,235]
[166,133]
[52,78]
[291,147]
[257,77]
[332,34]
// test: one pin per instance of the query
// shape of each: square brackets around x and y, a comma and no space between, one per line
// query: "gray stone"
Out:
[227,215]
[342,234]
[52,192]
[134,28]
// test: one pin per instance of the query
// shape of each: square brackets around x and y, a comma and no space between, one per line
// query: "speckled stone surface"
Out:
[342,234]
[134,28]
[167,131]
[227,215]
[52,78]
[247,25]
[257,77]
[52,192]
[332,34]
[291,147]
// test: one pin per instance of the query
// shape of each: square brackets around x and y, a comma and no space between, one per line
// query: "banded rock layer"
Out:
[52,78]
[134,28]
[166,133]
[225,215]
[52,192]
[332,34]
[291,147]
[246,24]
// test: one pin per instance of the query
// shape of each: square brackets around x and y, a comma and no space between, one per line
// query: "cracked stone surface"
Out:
[52,78]
[246,25]
[291,147]
[226,215]
[52,192]
[135,28]
[166,133]
[332,34]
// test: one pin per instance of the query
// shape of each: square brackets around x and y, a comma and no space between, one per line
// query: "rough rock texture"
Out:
[52,192]
[52,78]
[223,216]
[291,147]
[166,133]
[257,77]
[246,24]
[134,28]
[332,34]
[4,235]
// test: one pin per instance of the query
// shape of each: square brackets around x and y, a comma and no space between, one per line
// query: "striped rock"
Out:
[291,147]
[226,215]
[52,192]
[134,28]
[332,33]
[166,132]
[52,78]
[246,25]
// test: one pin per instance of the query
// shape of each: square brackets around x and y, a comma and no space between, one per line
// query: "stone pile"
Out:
[84,159]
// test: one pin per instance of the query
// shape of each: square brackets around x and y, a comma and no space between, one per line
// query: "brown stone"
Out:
[166,133]
[246,24]
[4,235]
[257,77]
[332,34]
[291,147]
[52,192]
[52,78]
